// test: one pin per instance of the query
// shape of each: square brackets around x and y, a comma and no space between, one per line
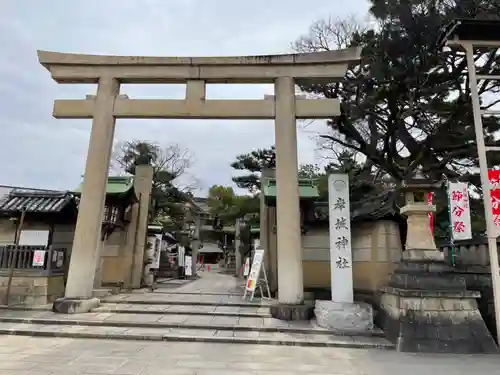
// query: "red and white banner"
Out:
[494,177]
[458,198]
[430,214]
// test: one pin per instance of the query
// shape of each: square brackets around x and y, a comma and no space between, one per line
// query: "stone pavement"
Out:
[204,310]
[65,356]
[211,283]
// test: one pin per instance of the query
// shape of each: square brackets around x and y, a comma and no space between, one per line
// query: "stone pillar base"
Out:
[343,316]
[426,309]
[67,305]
[292,312]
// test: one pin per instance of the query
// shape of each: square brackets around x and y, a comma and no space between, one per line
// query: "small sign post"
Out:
[246,269]
[39,258]
[254,278]
[188,264]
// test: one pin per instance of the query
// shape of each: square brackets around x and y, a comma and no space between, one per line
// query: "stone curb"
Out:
[26,308]
[103,309]
[184,303]
[159,291]
[207,339]
[118,324]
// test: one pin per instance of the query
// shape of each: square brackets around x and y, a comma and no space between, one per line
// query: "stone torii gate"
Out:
[104,108]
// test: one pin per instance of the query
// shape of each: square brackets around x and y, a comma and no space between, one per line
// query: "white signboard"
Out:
[180,256]
[340,238]
[39,258]
[458,197]
[60,259]
[256,243]
[246,269]
[157,252]
[253,277]
[34,238]
[188,265]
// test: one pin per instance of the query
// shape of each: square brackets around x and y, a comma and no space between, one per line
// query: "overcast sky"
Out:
[40,151]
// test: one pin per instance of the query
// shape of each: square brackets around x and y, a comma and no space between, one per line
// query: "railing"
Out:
[468,253]
[33,260]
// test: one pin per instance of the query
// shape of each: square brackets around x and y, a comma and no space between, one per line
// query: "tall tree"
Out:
[169,164]
[406,105]
[221,200]
[362,175]
[226,206]
[253,163]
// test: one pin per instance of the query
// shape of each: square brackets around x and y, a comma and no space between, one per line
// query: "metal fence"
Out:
[39,260]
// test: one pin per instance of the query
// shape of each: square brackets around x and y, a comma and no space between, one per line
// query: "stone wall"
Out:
[114,258]
[376,250]
[62,236]
[32,290]
[7,231]
[113,248]
[472,261]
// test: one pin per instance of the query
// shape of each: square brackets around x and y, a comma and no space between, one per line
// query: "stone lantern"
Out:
[426,306]
[420,244]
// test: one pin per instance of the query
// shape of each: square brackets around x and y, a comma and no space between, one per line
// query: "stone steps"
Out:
[201,323]
[101,293]
[186,308]
[106,308]
[182,322]
[101,331]
[181,302]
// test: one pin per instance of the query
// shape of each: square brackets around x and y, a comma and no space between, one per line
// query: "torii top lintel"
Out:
[81,68]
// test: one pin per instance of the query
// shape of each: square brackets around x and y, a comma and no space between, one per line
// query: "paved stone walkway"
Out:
[62,356]
[211,282]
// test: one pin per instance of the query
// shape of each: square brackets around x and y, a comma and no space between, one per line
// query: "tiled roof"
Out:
[116,185]
[307,188]
[202,203]
[37,201]
[377,207]
[372,208]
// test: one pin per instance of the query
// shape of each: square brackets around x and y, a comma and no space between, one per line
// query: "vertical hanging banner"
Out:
[340,238]
[430,214]
[494,178]
[458,198]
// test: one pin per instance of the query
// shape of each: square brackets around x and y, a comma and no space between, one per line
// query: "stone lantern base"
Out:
[428,309]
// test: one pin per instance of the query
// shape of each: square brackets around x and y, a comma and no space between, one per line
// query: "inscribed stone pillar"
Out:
[99,266]
[290,278]
[263,211]
[85,251]
[264,225]
[143,182]
[273,248]
[195,245]
[129,253]
[237,244]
